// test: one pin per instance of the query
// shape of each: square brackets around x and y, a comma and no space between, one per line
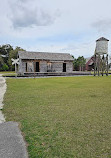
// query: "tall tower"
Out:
[101,57]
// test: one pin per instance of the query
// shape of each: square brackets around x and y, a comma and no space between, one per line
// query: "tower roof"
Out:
[102,39]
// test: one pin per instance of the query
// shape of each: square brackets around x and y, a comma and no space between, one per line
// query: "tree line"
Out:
[7,52]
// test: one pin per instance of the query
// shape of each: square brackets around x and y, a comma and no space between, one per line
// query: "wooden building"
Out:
[89,66]
[43,62]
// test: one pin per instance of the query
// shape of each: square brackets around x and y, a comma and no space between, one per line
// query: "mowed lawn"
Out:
[63,117]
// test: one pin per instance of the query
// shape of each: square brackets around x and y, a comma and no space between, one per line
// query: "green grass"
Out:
[92,72]
[66,117]
[8,73]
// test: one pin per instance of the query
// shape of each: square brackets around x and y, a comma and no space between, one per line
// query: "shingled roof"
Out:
[44,56]
[102,39]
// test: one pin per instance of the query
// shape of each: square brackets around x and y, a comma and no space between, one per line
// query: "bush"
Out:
[5,67]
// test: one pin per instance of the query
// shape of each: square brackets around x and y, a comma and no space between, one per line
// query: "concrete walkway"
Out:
[11,141]
[2,92]
[12,144]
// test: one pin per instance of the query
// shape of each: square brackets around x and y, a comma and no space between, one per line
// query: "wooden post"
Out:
[95,65]
[98,64]
[107,65]
[102,65]
[34,66]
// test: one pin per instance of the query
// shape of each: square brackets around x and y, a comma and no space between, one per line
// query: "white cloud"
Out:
[102,25]
[27,21]
[26,14]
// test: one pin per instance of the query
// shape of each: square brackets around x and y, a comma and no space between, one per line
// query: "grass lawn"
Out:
[8,73]
[63,117]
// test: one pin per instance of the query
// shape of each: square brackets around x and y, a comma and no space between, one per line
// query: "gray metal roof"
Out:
[44,56]
[102,39]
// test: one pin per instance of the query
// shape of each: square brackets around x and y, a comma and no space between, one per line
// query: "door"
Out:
[37,67]
[26,67]
[64,67]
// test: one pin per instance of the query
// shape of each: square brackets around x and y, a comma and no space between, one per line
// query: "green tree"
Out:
[1,62]
[79,63]
[73,61]
[4,53]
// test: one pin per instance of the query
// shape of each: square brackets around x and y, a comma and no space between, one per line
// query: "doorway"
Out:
[26,67]
[64,67]
[37,67]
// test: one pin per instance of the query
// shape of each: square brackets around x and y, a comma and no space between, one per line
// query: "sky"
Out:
[65,26]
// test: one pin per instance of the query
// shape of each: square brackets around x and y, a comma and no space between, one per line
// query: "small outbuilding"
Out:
[43,62]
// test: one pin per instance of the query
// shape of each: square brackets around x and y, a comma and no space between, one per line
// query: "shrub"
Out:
[5,67]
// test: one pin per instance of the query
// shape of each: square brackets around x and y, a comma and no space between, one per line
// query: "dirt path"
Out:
[2,92]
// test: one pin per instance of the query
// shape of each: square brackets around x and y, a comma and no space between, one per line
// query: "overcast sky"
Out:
[69,26]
